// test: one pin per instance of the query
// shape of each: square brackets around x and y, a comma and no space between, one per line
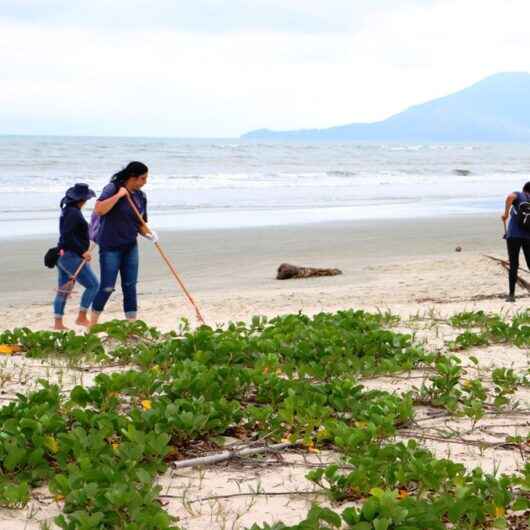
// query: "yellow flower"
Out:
[115,445]
[361,424]
[146,404]
[9,349]
[311,447]
[403,493]
[499,511]
[286,438]
[52,444]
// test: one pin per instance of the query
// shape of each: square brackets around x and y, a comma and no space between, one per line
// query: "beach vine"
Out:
[292,379]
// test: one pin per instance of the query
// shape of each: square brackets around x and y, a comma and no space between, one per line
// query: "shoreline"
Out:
[281,225]
[214,219]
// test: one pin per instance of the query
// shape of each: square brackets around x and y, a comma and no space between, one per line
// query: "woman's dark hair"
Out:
[526,187]
[132,169]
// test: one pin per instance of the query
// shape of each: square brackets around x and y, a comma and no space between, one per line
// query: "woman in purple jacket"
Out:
[517,237]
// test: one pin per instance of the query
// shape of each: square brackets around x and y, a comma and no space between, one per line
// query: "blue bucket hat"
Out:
[79,192]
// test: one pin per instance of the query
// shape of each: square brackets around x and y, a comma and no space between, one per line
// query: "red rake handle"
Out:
[78,270]
[168,262]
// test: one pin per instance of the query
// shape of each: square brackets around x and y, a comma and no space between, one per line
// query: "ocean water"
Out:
[204,184]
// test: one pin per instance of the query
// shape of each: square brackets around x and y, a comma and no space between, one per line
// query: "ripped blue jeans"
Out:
[126,263]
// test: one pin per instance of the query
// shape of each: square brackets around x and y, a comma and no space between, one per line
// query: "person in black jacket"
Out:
[516,236]
[74,247]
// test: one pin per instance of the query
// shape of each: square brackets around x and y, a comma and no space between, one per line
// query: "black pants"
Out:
[514,245]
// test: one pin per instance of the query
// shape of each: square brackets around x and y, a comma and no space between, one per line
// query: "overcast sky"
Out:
[218,68]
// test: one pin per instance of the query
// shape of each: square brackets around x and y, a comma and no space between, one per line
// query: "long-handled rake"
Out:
[168,262]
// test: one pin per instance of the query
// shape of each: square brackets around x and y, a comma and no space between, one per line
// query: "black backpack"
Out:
[523,212]
[51,257]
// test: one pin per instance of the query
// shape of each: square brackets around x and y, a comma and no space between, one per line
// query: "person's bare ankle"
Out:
[58,325]
[93,319]
[82,319]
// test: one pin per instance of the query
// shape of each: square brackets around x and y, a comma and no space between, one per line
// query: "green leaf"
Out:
[143,476]
[362,526]
[80,396]
[350,516]
[15,455]
[520,504]
[370,508]
[381,524]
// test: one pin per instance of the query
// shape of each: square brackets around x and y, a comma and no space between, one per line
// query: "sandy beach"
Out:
[390,394]
[404,265]
[408,267]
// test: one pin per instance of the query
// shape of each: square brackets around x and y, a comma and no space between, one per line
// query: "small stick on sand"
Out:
[246,494]
[229,455]
[505,262]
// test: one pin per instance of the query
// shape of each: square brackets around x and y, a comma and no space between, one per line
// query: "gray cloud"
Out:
[213,69]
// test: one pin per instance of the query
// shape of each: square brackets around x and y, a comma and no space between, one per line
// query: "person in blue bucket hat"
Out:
[74,250]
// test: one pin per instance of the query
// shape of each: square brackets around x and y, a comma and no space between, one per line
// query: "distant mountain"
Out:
[494,109]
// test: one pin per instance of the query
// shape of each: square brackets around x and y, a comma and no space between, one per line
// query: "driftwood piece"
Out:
[229,455]
[287,271]
[520,281]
